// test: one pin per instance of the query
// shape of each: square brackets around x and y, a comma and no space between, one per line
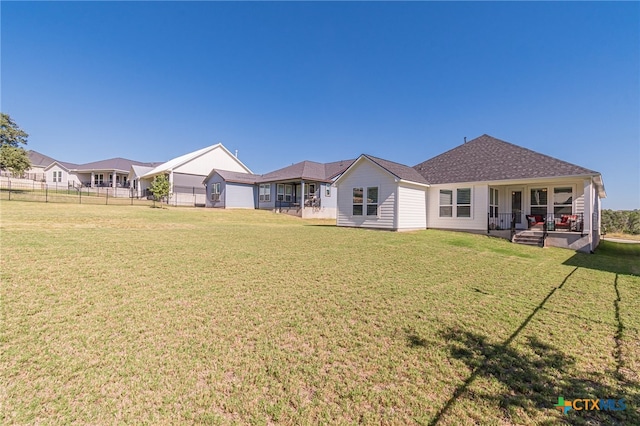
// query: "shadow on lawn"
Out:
[617,258]
[535,378]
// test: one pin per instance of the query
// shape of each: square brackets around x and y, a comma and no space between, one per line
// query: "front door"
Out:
[516,206]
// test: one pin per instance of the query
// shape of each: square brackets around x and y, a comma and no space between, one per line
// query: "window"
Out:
[446,203]
[562,201]
[284,192]
[463,201]
[57,176]
[539,201]
[310,190]
[493,202]
[327,190]
[288,192]
[280,192]
[372,201]
[265,192]
[98,179]
[215,191]
[357,201]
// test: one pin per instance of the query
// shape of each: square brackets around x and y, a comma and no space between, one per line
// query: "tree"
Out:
[12,156]
[159,188]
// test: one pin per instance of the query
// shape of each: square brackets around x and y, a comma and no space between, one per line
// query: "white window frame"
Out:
[493,202]
[280,192]
[573,198]
[215,191]
[532,206]
[354,202]
[265,192]
[327,190]
[449,205]
[98,179]
[364,205]
[459,204]
[288,193]
[371,204]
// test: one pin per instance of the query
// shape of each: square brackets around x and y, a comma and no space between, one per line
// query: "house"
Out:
[376,193]
[230,190]
[139,186]
[491,186]
[39,162]
[304,189]
[111,173]
[186,173]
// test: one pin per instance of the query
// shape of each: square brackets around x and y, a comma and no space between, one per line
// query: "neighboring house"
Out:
[105,173]
[111,173]
[134,177]
[38,163]
[489,185]
[186,173]
[231,190]
[303,189]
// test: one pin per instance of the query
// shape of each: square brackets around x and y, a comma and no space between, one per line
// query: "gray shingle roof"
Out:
[118,163]
[399,170]
[307,170]
[487,159]
[38,159]
[237,177]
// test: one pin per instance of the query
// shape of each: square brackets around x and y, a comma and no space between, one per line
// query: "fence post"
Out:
[46,194]
[9,189]
[107,199]
[80,194]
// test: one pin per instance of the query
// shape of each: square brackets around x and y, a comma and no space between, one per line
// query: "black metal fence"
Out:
[59,193]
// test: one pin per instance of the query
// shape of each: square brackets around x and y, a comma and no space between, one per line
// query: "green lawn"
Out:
[116,314]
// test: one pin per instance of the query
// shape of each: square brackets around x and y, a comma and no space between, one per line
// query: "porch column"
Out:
[91,183]
[302,194]
[113,181]
[588,205]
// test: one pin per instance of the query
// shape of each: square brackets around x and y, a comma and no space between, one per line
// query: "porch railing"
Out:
[501,222]
[563,223]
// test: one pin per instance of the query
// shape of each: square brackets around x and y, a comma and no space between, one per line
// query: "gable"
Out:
[201,162]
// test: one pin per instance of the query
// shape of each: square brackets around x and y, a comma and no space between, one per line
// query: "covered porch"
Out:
[560,213]
[105,179]
[295,196]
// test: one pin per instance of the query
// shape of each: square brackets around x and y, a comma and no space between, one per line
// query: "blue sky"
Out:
[286,82]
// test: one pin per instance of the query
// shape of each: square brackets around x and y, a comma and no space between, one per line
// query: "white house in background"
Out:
[104,173]
[134,177]
[187,172]
[39,162]
[485,185]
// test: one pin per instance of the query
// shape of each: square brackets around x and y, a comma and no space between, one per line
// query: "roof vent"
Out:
[237,152]
[465,141]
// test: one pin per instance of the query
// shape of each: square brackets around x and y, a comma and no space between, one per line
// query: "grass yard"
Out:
[118,314]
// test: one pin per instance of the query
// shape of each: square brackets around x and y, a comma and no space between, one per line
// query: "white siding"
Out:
[217,158]
[479,208]
[412,209]
[363,175]
[57,169]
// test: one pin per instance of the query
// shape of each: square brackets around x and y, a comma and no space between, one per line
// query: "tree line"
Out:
[621,221]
